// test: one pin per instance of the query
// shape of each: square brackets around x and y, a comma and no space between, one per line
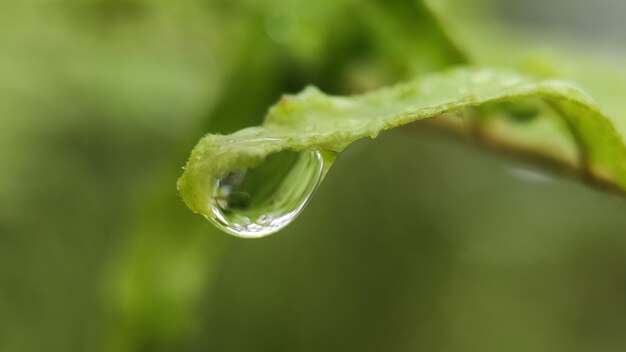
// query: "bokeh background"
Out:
[414,242]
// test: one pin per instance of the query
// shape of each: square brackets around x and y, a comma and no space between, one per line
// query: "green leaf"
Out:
[577,134]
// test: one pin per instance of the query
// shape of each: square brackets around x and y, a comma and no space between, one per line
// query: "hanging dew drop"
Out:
[265,199]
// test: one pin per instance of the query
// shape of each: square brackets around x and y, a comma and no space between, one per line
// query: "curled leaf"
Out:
[570,128]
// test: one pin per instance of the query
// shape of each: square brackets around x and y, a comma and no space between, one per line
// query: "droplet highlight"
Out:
[263,200]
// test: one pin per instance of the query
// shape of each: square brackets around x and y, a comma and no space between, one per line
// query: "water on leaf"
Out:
[265,199]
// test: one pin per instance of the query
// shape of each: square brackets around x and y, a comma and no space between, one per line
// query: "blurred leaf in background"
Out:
[100,102]
[94,99]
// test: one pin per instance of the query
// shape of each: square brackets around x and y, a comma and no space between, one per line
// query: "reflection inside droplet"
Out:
[265,199]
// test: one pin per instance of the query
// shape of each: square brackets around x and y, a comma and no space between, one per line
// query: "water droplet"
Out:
[481,77]
[265,199]
[529,175]
[510,81]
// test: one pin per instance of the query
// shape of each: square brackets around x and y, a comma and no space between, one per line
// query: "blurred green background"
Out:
[413,243]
